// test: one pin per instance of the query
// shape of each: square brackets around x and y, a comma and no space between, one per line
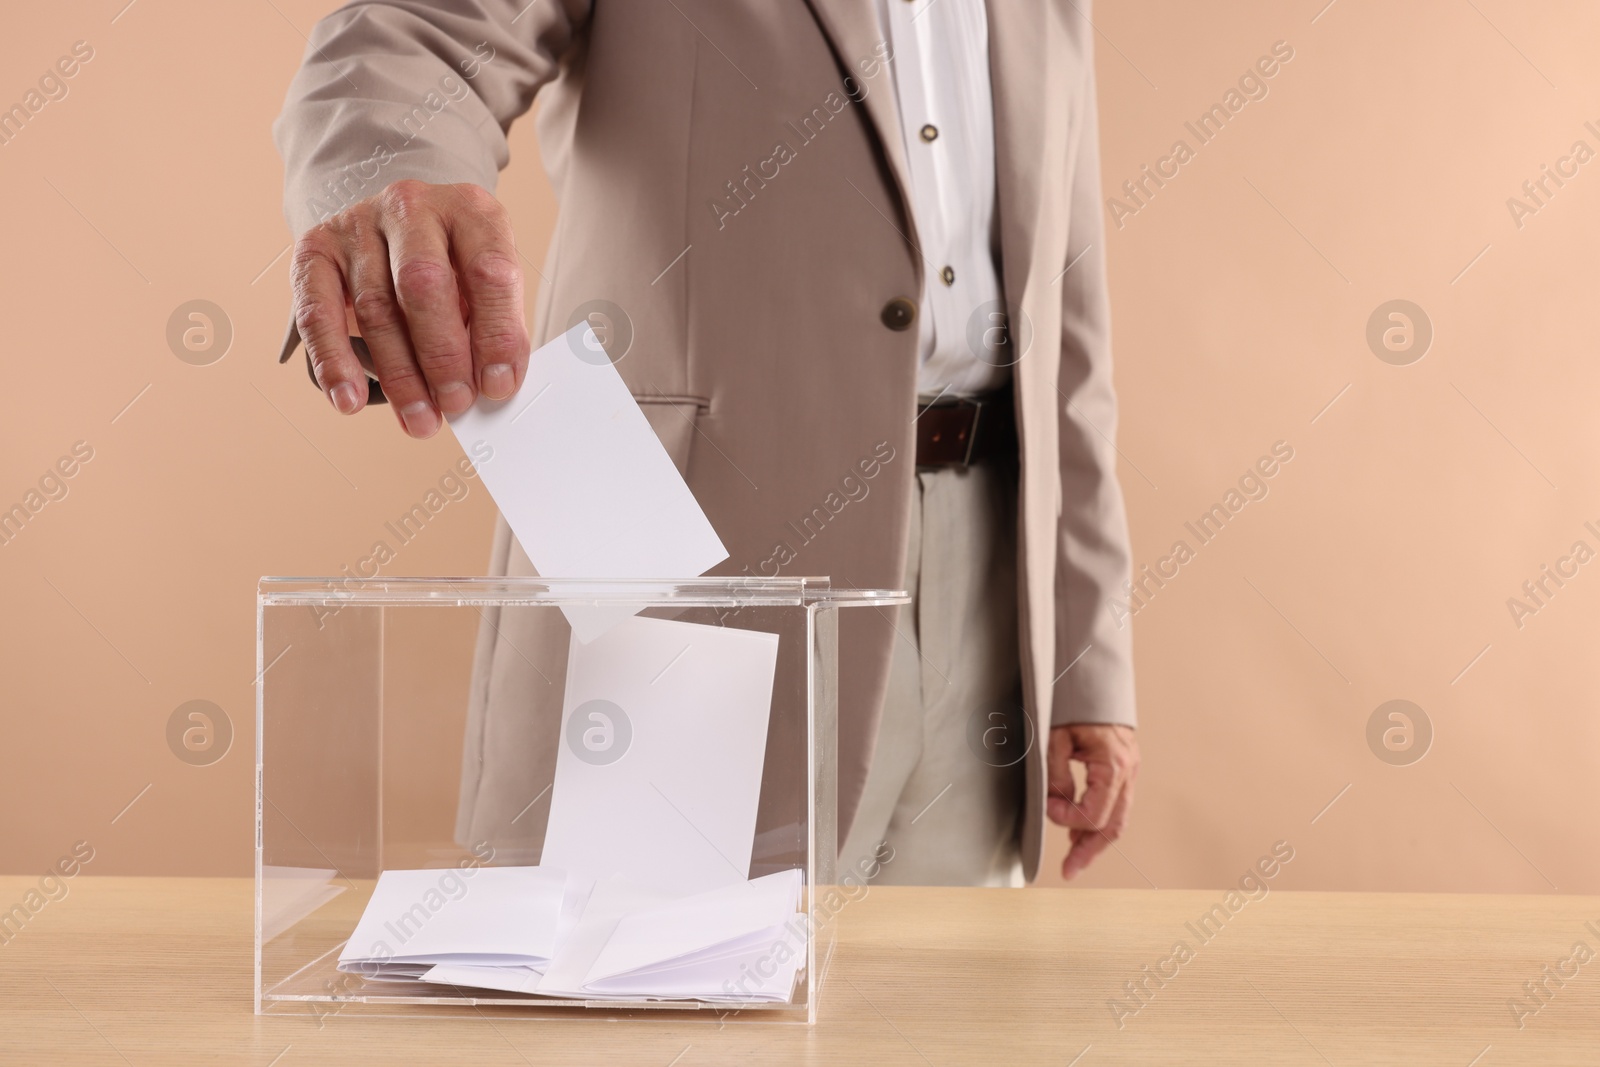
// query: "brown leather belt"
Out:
[962,431]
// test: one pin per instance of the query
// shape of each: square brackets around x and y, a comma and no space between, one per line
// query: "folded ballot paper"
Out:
[416,920]
[745,941]
[741,941]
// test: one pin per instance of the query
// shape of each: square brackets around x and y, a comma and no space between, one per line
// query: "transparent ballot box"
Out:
[547,797]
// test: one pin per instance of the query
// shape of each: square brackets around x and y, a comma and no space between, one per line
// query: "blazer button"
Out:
[899,313]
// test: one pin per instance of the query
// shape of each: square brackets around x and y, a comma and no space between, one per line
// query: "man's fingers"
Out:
[1063,789]
[1086,845]
[425,287]
[1103,779]
[428,276]
[383,327]
[317,276]
[1089,843]
[1100,796]
[1103,784]
[486,261]
[1110,757]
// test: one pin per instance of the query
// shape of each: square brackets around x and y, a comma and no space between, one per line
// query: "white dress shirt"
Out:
[941,80]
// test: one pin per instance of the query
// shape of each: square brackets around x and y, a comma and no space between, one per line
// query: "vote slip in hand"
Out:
[583,480]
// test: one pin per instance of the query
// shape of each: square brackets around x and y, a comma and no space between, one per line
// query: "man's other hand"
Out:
[1110,756]
[430,274]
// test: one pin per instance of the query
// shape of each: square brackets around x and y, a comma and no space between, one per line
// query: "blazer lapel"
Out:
[852,27]
[1017,75]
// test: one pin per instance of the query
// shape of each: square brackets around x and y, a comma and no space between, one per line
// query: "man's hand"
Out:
[1110,755]
[430,273]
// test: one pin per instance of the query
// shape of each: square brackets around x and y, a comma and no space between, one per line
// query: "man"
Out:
[839,245]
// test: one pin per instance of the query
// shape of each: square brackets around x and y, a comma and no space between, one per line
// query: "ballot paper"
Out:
[664,736]
[583,480]
[611,899]
[418,919]
[523,979]
[743,941]
[621,940]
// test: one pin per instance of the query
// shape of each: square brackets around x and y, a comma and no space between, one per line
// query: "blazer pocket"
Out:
[673,419]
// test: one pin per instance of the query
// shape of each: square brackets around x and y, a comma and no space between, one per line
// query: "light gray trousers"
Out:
[936,809]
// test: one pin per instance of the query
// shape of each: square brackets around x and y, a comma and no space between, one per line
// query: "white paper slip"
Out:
[389,972]
[622,940]
[744,941]
[761,971]
[476,916]
[610,900]
[505,979]
[583,480]
[664,737]
[521,979]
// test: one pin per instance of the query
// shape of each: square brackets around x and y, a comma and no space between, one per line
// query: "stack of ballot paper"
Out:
[493,916]
[621,941]
[643,891]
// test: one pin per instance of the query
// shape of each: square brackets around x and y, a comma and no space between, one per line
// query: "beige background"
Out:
[1378,567]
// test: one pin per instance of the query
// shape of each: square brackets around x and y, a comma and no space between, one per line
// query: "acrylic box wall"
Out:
[366,763]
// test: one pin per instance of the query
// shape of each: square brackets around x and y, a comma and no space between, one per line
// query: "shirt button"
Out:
[930,133]
[949,275]
[899,313]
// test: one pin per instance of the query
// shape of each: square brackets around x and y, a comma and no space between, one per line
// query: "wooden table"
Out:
[158,971]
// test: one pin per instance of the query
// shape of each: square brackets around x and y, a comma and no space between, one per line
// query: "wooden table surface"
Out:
[158,971]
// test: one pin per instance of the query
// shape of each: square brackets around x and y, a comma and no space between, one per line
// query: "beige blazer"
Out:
[731,176]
